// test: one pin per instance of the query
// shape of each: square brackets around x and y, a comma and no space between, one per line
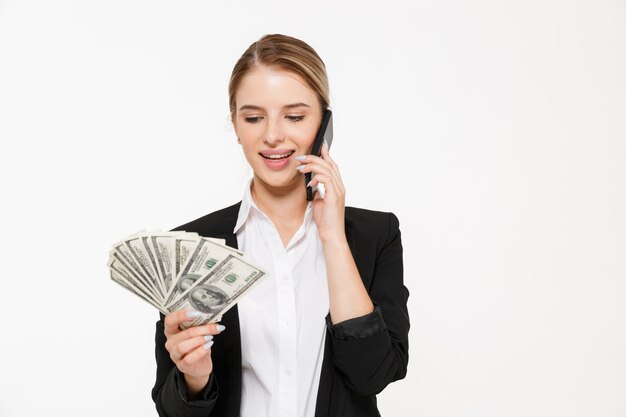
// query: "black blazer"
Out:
[361,355]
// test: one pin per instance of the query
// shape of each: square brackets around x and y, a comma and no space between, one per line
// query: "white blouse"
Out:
[282,319]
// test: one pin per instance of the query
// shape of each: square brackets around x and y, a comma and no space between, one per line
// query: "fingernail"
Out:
[309,184]
[208,337]
[300,158]
[208,345]
[193,314]
[220,328]
[300,167]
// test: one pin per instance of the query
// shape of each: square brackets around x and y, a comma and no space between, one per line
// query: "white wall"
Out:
[495,130]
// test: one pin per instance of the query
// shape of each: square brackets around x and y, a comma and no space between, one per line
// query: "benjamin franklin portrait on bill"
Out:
[207,299]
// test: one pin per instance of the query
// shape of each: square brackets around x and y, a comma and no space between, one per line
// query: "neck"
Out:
[285,205]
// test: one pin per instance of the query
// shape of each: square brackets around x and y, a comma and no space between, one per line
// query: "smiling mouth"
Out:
[277,156]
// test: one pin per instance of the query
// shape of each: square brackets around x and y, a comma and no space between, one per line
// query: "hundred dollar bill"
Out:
[161,245]
[218,291]
[183,246]
[127,258]
[218,241]
[125,278]
[138,246]
[163,268]
[205,256]
[138,279]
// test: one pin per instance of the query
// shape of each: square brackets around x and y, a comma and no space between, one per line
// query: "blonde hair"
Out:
[284,53]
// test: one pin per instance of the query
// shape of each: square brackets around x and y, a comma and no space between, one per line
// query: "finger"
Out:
[326,156]
[336,190]
[310,159]
[184,347]
[323,165]
[197,354]
[174,319]
[316,167]
[335,177]
[325,152]
[192,332]
[334,168]
[174,341]
[205,329]
[326,180]
[318,195]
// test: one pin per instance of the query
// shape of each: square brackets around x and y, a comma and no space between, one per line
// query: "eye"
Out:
[295,119]
[252,119]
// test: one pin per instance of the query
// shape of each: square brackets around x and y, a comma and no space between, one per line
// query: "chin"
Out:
[280,182]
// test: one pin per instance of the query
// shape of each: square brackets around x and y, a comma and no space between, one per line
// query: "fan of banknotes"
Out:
[181,270]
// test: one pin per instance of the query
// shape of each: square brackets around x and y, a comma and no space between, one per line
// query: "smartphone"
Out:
[324,134]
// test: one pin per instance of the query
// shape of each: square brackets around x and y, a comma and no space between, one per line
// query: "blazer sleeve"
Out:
[170,390]
[372,351]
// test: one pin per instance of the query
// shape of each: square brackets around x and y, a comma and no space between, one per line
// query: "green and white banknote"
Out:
[182,270]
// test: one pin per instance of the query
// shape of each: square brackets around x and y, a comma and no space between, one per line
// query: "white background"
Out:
[495,130]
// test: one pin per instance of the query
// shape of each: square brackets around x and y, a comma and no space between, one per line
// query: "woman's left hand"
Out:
[328,212]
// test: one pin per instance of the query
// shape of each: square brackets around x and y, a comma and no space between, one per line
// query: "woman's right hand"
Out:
[190,349]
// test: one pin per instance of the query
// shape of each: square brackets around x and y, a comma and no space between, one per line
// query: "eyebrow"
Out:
[287,106]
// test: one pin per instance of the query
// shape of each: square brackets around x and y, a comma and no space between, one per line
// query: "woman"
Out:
[327,329]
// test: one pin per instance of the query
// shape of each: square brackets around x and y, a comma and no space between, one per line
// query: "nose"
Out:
[274,133]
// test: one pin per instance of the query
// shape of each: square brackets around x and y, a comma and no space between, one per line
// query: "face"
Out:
[187,281]
[206,298]
[277,116]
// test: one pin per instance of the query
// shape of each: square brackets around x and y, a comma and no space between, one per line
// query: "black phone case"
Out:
[324,133]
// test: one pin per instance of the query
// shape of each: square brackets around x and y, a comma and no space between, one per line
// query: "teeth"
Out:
[278,156]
